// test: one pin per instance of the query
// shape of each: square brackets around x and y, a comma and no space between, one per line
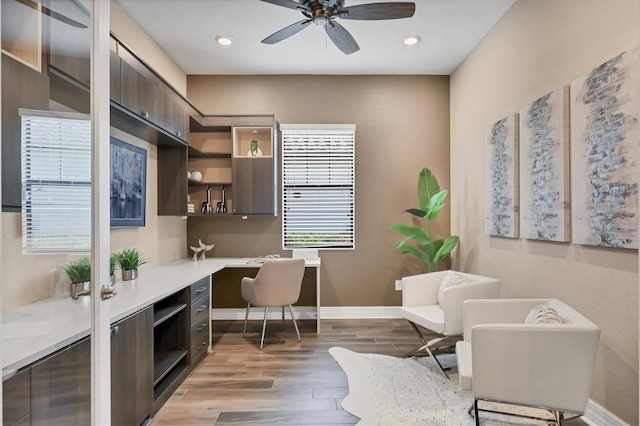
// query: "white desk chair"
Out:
[277,283]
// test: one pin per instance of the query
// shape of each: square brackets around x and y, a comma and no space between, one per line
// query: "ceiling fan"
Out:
[325,12]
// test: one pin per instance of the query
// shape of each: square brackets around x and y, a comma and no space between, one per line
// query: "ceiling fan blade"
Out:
[291,4]
[287,32]
[53,14]
[341,38]
[378,11]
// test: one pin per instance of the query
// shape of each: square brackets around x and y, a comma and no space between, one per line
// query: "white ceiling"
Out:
[186,30]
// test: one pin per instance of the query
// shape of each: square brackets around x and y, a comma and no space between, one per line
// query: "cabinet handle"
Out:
[201,308]
[179,134]
[115,329]
[202,327]
[200,290]
[145,114]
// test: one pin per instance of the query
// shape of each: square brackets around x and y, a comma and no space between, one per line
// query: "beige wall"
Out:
[402,126]
[536,47]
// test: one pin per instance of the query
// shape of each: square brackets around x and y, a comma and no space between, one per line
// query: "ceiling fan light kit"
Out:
[325,12]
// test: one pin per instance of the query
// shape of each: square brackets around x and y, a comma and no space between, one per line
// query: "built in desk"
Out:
[33,331]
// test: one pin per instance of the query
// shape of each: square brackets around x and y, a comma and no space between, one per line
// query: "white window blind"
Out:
[318,186]
[56,182]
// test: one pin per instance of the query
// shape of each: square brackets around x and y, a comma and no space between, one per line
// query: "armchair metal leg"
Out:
[264,326]
[295,324]
[246,317]
[444,373]
[558,417]
[431,345]
[475,411]
[415,327]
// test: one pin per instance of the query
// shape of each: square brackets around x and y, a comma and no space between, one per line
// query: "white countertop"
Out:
[34,331]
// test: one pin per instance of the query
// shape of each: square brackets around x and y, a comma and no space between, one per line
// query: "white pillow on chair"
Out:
[543,314]
[453,278]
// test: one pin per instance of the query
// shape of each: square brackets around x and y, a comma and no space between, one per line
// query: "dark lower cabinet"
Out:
[170,346]
[132,369]
[152,352]
[61,387]
[16,403]
[199,320]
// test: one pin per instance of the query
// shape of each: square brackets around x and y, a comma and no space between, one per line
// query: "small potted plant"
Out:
[79,272]
[129,260]
[113,259]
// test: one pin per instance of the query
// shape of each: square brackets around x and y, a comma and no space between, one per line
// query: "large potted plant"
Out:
[79,272]
[129,260]
[430,200]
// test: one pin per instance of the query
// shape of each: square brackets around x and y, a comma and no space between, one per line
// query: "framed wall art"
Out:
[128,184]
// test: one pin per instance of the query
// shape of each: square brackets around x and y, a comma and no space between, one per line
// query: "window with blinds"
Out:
[318,186]
[56,182]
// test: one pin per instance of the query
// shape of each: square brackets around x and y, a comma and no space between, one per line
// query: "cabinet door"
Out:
[114,72]
[61,387]
[22,87]
[138,85]
[172,180]
[132,369]
[253,186]
[15,398]
[178,118]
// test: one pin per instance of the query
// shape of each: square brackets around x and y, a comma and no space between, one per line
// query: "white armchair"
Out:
[420,307]
[546,366]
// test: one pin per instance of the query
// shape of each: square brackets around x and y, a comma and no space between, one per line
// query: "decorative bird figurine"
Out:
[204,248]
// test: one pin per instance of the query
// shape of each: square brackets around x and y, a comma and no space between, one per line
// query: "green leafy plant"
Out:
[79,271]
[129,259]
[430,200]
[113,260]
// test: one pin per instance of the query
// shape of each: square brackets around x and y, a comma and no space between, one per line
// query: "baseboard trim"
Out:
[309,312]
[354,312]
[597,415]
[302,312]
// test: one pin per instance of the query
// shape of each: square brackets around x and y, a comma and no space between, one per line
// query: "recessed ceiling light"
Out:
[224,40]
[411,40]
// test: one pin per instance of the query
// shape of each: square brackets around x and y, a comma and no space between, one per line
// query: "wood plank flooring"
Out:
[289,382]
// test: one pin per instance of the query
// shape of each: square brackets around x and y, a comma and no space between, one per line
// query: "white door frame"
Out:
[100,236]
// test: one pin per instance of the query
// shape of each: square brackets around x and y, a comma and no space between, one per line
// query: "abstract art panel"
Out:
[501,178]
[544,168]
[604,154]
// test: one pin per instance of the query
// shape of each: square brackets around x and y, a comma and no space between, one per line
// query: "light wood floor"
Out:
[289,382]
